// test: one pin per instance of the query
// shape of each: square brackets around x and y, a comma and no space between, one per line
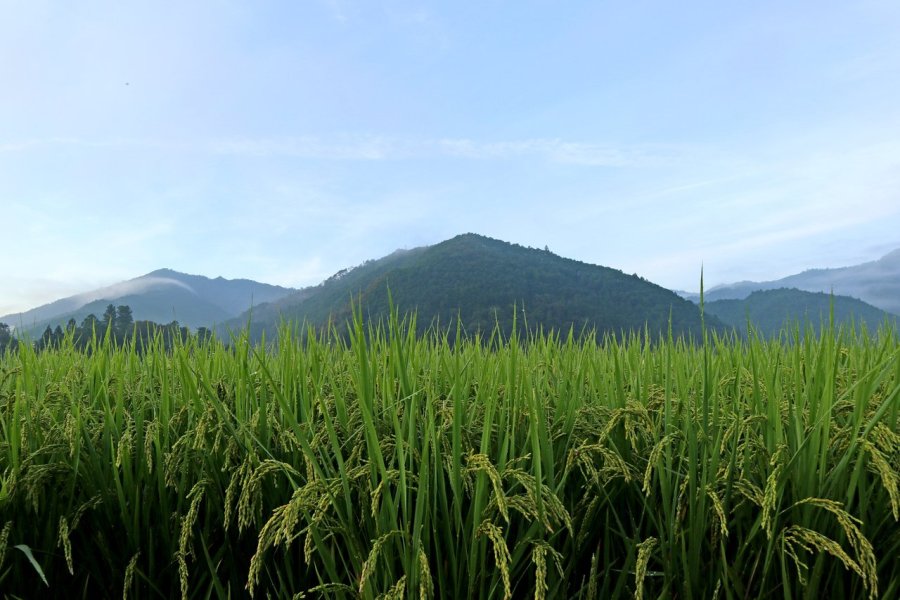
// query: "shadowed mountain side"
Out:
[163,306]
[771,310]
[161,296]
[480,280]
[876,283]
[233,296]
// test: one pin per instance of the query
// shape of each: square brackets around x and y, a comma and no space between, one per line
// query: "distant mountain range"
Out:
[161,296]
[770,311]
[482,281]
[876,282]
[479,282]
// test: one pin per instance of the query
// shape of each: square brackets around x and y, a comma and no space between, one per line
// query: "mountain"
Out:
[876,283]
[771,310]
[161,296]
[481,279]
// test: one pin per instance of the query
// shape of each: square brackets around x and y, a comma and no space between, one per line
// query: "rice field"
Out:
[379,464]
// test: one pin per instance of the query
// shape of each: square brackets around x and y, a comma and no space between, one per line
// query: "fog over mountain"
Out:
[162,296]
[876,283]
[130,288]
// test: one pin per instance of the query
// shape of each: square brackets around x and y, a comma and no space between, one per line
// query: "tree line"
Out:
[117,322]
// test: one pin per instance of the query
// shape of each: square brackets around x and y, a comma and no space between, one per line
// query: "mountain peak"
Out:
[481,281]
[161,295]
[164,272]
[468,238]
[892,257]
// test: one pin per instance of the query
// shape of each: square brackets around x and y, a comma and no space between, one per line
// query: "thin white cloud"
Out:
[337,9]
[138,236]
[127,288]
[11,146]
[380,148]
[302,273]
[373,148]
[341,148]
[29,292]
[553,150]
[22,292]
[18,146]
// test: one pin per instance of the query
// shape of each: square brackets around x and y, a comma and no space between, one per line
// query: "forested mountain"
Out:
[480,280]
[876,283]
[771,310]
[162,296]
[475,278]
[116,325]
[7,340]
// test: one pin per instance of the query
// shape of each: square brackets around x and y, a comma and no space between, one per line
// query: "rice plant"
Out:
[373,463]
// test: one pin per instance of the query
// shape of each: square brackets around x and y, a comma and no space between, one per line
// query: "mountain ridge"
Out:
[770,311]
[474,277]
[875,282]
[480,280]
[161,295]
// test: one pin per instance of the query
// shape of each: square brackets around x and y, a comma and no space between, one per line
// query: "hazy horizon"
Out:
[137,283]
[283,142]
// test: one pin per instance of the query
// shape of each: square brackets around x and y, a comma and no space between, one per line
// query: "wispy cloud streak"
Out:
[387,148]
[373,148]
[11,146]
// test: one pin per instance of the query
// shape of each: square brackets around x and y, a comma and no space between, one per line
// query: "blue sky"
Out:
[284,140]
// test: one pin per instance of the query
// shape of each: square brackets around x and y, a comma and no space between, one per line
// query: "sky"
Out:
[283,140]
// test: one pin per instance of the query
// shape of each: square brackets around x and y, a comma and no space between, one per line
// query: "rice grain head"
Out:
[645,549]
[770,495]
[426,584]
[129,575]
[866,564]
[4,540]
[501,554]
[368,567]
[889,478]
[66,543]
[719,510]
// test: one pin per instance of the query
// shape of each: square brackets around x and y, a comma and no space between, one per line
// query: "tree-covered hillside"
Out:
[116,325]
[480,280]
[771,310]
[161,296]
[876,283]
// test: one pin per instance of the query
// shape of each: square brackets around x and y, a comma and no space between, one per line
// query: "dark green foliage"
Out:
[6,338]
[483,282]
[771,310]
[119,327]
[89,324]
[109,317]
[124,320]
[876,282]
